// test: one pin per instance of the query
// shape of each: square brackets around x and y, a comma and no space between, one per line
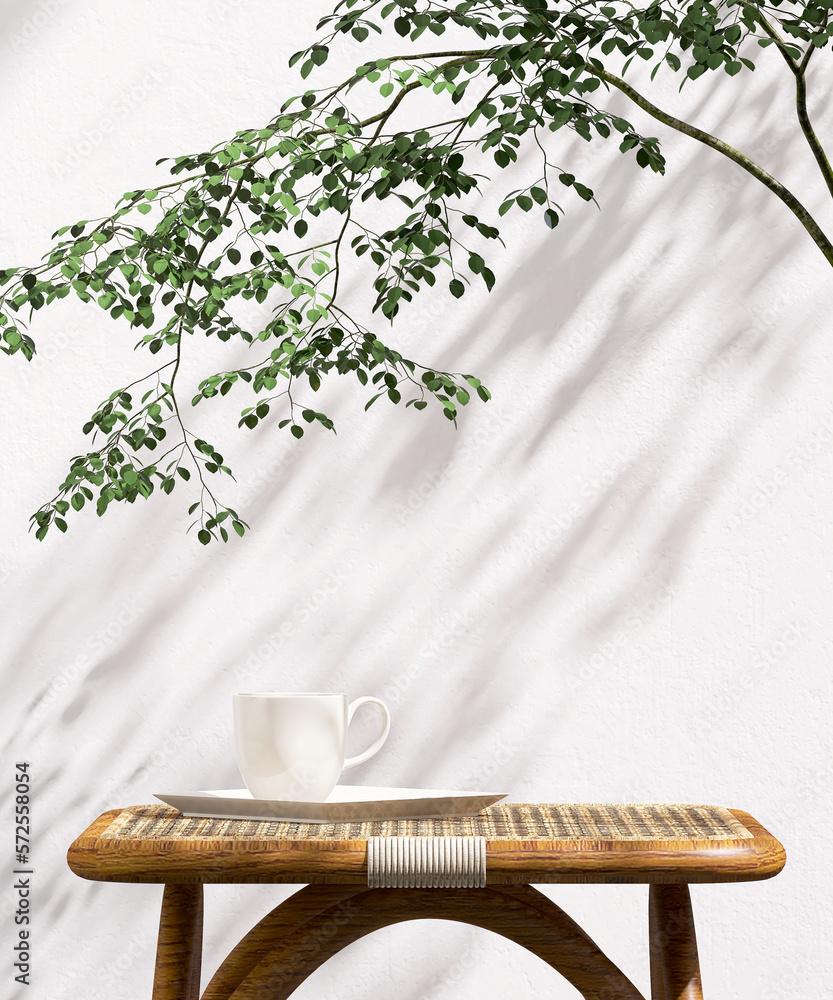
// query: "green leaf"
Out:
[456,287]
[233,255]
[204,536]
[296,431]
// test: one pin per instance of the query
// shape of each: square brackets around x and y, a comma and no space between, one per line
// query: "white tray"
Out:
[346,803]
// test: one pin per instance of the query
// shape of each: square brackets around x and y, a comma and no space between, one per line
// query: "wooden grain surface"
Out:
[295,939]
[179,946]
[654,952]
[675,966]
[288,917]
[344,862]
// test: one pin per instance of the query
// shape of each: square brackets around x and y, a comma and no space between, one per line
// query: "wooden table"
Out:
[664,846]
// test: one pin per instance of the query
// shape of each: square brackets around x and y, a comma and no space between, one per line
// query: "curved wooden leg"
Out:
[519,913]
[589,962]
[289,916]
[179,948]
[674,943]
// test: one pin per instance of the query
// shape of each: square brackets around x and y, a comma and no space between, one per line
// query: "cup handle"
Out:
[367,754]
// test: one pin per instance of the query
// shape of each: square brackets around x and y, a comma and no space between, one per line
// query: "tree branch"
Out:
[798,70]
[808,130]
[781,45]
[777,188]
[178,360]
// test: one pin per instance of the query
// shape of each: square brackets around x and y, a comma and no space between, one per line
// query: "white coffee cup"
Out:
[290,747]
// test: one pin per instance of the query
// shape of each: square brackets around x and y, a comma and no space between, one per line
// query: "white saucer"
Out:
[345,804]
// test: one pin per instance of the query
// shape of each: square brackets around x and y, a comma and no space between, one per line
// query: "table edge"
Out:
[508,861]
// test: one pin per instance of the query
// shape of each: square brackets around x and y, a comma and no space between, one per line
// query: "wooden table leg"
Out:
[675,967]
[289,916]
[657,973]
[179,948]
[309,933]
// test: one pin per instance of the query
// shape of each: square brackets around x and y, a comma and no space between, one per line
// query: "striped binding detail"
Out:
[426,862]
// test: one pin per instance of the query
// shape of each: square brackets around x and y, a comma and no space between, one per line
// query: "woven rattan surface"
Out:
[513,822]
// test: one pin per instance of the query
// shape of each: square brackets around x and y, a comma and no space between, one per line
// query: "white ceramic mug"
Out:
[290,747]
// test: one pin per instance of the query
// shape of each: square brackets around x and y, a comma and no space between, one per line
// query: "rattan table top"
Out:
[524,843]
[515,822]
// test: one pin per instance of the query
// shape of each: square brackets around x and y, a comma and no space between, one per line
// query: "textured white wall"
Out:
[612,583]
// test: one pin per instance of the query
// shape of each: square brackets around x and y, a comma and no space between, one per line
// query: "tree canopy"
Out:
[279,214]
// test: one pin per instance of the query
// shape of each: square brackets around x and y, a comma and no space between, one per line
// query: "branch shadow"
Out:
[475,698]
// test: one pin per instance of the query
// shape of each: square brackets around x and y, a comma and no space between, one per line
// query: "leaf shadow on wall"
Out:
[527,593]
[632,508]
[631,512]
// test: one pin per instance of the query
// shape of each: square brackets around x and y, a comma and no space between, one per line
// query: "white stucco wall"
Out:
[612,583]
